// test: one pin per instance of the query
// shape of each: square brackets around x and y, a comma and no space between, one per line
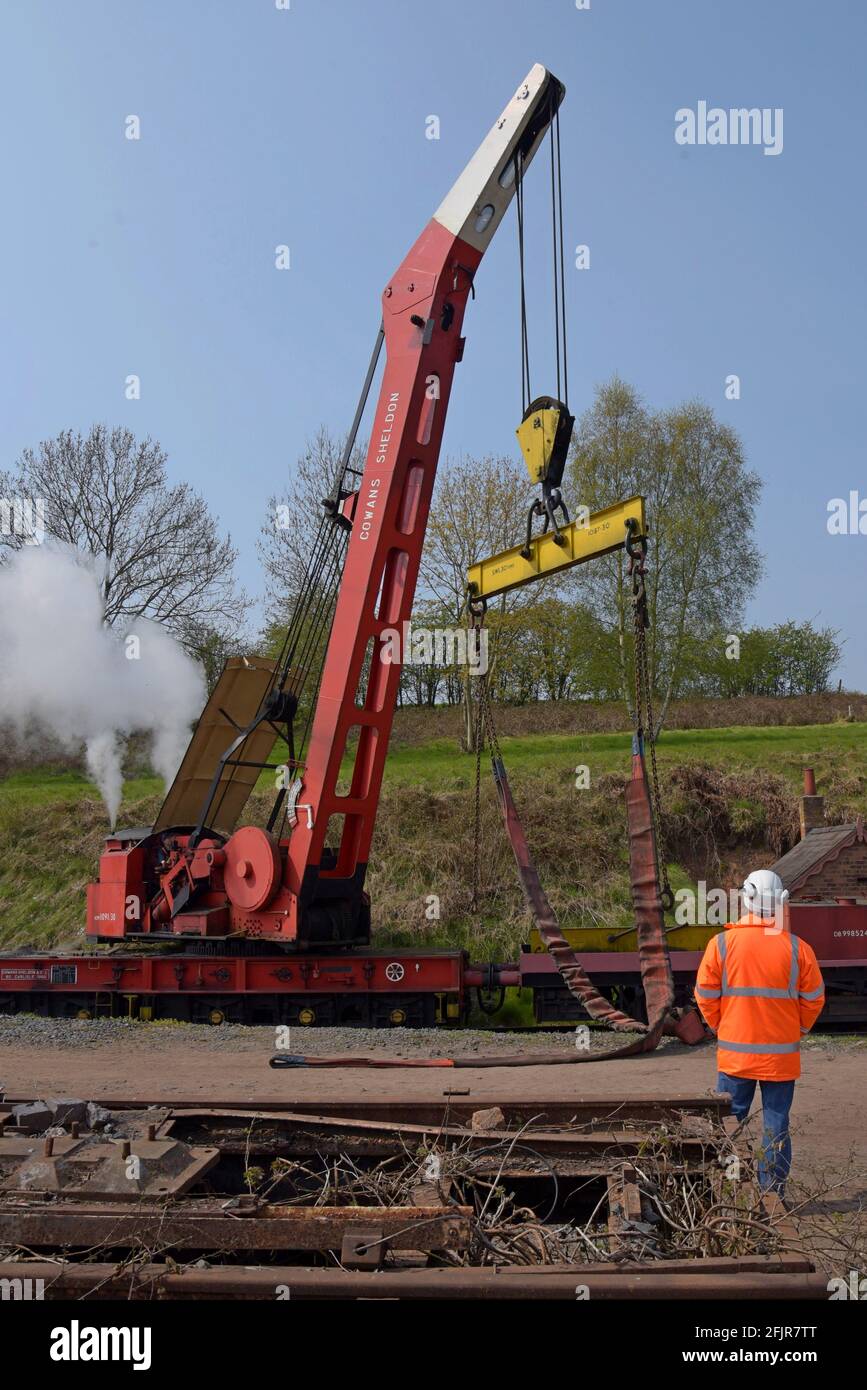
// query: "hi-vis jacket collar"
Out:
[754,919]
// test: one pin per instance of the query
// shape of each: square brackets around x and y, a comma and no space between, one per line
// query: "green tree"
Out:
[701,500]
[789,659]
[573,654]
[807,656]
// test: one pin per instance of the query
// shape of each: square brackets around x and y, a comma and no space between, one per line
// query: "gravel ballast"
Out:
[30,1029]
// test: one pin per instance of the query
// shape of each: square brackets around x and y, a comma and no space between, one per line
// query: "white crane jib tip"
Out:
[476,202]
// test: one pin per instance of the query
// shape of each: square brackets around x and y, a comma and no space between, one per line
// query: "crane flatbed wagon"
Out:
[395,987]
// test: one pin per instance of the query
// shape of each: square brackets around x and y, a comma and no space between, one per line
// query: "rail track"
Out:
[387,1199]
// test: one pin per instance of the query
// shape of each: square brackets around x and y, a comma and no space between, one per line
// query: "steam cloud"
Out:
[64,674]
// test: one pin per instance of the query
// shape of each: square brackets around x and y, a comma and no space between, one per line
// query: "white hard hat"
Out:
[763,892]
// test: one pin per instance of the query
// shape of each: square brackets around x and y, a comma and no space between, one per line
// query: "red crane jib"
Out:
[358,692]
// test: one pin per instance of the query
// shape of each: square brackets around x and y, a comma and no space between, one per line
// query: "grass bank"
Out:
[730,797]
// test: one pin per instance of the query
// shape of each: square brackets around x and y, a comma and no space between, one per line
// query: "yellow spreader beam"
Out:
[598,534]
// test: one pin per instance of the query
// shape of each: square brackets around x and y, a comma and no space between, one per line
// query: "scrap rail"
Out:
[380,1199]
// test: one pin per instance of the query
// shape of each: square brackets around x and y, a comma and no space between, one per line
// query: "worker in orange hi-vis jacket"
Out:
[760,990]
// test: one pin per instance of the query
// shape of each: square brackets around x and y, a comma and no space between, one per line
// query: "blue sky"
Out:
[307,127]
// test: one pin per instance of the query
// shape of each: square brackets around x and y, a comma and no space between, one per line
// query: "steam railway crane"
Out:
[301,880]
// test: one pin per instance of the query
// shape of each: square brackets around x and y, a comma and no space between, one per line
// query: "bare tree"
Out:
[288,533]
[160,549]
[479,508]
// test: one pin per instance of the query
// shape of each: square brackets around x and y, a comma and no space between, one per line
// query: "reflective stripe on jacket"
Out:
[760,989]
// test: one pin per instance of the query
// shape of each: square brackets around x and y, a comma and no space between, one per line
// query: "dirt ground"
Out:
[829,1114]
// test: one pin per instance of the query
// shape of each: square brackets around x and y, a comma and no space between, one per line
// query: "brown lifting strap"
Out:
[654,959]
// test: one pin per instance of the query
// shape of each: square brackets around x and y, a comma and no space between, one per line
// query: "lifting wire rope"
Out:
[299,663]
[559,270]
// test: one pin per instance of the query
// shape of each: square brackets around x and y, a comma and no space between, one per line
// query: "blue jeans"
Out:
[775,1155]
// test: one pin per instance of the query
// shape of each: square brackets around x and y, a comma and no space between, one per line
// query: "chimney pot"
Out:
[811,807]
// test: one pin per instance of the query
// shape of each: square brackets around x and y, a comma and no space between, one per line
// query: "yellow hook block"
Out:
[544,435]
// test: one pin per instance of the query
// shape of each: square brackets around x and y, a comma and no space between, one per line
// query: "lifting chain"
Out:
[643,701]
[483,726]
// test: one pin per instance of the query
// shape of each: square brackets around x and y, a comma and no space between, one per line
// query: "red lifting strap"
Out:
[654,959]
